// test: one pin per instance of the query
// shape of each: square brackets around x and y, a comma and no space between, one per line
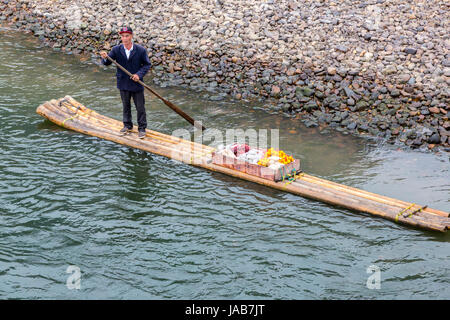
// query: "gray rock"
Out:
[363,127]
[390,69]
[412,81]
[395,93]
[310,123]
[342,48]
[383,90]
[344,114]
[332,102]
[361,105]
[306,91]
[411,51]
[417,142]
[435,138]
[403,78]
[311,105]
[351,126]
[216,97]
[331,71]
[319,94]
[350,93]
[342,72]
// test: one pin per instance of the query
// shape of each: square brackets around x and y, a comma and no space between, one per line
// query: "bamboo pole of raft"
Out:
[433,218]
[148,131]
[163,151]
[59,118]
[367,195]
[396,202]
[195,150]
[167,102]
[319,194]
[90,122]
[161,139]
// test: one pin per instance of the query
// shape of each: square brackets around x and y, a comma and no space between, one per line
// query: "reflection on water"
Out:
[142,226]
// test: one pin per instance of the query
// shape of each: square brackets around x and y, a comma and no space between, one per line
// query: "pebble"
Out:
[411,51]
[403,78]
[331,71]
[342,48]
[275,91]
[351,126]
[434,110]
[216,97]
[434,139]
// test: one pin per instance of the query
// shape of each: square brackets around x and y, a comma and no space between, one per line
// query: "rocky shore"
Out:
[376,68]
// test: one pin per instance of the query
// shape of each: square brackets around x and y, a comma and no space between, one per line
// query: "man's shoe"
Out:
[124,131]
[141,134]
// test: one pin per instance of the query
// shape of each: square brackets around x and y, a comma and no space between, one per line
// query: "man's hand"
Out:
[135,77]
[103,54]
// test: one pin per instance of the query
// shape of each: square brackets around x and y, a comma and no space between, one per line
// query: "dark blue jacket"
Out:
[138,63]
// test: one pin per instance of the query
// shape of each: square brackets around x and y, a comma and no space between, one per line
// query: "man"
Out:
[134,58]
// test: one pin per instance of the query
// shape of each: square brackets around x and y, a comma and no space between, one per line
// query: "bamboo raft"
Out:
[72,115]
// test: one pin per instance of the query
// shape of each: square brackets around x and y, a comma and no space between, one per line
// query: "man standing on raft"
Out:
[134,58]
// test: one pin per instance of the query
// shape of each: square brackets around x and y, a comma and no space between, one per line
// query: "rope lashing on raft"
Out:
[72,117]
[292,176]
[417,211]
[404,210]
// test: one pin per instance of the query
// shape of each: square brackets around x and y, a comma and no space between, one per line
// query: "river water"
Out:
[140,226]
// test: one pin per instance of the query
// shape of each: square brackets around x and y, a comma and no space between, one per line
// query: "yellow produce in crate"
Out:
[283,157]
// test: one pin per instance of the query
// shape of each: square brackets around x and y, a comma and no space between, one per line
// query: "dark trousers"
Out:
[139,102]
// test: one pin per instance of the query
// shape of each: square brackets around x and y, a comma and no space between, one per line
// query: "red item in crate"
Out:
[239,149]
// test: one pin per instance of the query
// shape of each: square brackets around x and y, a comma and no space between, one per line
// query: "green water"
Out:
[142,226]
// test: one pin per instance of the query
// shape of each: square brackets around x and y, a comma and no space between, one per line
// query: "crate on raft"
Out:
[225,159]
[284,172]
[221,159]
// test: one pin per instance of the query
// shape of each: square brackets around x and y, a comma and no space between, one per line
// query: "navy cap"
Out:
[125,30]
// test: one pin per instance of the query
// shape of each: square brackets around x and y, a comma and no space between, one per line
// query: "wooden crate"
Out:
[255,169]
[277,175]
[228,162]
